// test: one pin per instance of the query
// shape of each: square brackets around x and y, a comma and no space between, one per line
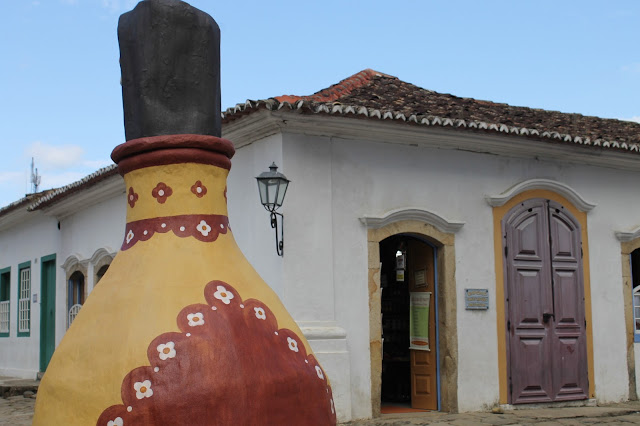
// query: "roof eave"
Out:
[84,196]
[437,133]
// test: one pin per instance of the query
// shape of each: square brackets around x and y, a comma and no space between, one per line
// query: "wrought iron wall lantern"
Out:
[272,187]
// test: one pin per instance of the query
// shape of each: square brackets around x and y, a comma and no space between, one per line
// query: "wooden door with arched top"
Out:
[544,297]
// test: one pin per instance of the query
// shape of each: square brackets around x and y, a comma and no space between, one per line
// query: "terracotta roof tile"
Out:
[371,94]
[337,91]
[55,195]
[24,202]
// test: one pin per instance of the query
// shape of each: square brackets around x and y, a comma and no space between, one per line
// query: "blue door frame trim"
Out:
[435,295]
[636,335]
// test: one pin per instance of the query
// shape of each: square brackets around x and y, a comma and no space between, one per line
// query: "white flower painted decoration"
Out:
[333,410]
[319,372]
[260,313]
[293,345]
[129,236]
[195,319]
[166,350]
[116,422]
[143,389]
[223,295]
[204,228]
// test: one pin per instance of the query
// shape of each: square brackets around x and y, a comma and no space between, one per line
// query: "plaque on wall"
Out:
[476,299]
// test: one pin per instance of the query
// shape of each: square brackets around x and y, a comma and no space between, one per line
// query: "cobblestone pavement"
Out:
[18,411]
[615,414]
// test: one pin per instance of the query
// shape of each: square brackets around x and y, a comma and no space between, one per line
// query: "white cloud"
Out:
[11,177]
[119,6]
[97,164]
[56,180]
[632,68]
[53,157]
[13,186]
[636,119]
[112,5]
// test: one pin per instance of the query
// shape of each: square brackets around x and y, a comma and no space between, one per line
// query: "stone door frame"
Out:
[447,308]
[629,242]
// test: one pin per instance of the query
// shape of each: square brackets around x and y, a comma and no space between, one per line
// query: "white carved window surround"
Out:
[560,188]
[412,213]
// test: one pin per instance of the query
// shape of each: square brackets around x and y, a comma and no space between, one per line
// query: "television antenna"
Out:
[35,177]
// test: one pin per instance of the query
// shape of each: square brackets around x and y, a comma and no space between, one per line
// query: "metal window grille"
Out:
[73,312]
[24,302]
[4,316]
[636,309]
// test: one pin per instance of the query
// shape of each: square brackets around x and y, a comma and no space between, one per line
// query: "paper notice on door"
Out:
[419,321]
[419,278]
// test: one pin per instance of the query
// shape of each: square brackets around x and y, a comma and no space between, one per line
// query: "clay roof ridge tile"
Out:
[340,89]
[390,98]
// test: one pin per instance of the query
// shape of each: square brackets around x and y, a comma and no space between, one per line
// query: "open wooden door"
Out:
[421,276]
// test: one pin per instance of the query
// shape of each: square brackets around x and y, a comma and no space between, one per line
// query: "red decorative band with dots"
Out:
[205,228]
[172,149]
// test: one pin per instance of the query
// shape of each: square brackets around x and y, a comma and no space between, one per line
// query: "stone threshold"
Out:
[561,404]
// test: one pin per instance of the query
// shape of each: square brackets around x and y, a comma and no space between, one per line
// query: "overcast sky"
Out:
[60,97]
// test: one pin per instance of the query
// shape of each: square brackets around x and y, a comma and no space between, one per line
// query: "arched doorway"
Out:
[546,329]
[444,243]
[409,313]
[630,250]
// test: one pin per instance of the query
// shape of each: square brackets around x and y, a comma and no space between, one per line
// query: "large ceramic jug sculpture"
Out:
[181,329]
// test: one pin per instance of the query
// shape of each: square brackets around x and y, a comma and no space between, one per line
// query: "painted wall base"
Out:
[18,374]
[329,344]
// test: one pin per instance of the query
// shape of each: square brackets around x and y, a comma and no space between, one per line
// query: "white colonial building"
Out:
[521,226]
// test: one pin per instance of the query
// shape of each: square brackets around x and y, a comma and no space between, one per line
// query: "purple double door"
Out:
[546,326]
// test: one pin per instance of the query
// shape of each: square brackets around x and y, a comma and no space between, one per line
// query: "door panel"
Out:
[423,380]
[47,310]
[529,296]
[567,310]
[424,384]
[545,304]
[569,329]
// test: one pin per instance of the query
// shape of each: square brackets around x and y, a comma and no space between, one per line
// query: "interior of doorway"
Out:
[410,378]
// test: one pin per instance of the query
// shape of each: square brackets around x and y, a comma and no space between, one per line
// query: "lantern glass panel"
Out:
[282,190]
[262,187]
[272,191]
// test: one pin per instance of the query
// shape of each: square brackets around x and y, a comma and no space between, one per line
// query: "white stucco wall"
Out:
[249,221]
[323,276]
[98,226]
[91,227]
[30,240]
[336,181]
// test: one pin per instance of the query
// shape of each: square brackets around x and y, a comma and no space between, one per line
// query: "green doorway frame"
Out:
[47,309]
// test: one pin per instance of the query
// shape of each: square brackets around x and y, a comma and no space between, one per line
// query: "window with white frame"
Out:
[24,299]
[635,282]
[75,295]
[5,291]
